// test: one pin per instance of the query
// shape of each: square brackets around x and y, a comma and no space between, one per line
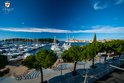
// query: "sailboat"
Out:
[55,46]
[66,45]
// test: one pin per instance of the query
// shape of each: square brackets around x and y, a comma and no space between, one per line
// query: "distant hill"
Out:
[43,40]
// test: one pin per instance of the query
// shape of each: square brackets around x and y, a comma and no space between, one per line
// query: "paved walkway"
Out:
[54,76]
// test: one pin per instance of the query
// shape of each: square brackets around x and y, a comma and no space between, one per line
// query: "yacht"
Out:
[66,46]
[26,55]
[55,46]
[1,50]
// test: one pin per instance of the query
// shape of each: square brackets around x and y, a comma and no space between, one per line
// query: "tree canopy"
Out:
[73,54]
[29,61]
[46,58]
[43,59]
[3,61]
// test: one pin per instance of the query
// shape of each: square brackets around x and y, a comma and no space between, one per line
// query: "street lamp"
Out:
[61,65]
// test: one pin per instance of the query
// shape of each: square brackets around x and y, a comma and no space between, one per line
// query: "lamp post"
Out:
[61,65]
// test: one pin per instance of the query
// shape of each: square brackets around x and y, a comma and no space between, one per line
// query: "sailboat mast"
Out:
[54,40]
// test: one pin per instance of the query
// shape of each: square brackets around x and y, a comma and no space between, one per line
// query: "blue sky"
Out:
[76,18]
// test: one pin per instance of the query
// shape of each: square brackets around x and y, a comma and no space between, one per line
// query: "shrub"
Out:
[4,72]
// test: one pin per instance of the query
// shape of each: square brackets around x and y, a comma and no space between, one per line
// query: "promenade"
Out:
[63,72]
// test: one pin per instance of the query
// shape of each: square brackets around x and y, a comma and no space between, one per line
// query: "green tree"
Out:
[29,61]
[73,54]
[85,55]
[93,50]
[43,59]
[120,50]
[92,53]
[3,61]
[107,48]
[95,38]
[118,46]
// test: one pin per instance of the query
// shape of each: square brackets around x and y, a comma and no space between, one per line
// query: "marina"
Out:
[18,51]
[61,71]
[62,41]
[15,51]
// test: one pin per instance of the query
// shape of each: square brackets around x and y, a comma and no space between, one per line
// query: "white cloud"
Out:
[119,2]
[97,6]
[101,4]
[35,30]
[94,29]
[103,29]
